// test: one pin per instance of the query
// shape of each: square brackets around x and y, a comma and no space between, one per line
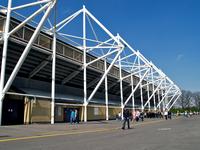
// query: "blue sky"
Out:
[167,32]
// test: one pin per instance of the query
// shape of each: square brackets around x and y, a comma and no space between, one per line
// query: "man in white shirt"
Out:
[166,114]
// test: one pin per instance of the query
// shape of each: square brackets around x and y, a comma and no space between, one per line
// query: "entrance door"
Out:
[13,112]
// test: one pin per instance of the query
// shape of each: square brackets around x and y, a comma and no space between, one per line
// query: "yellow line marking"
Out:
[71,133]
[51,135]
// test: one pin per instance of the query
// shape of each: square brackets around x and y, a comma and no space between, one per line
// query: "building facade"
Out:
[47,71]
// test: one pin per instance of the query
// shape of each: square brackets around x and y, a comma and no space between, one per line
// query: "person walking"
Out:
[142,116]
[76,116]
[119,116]
[72,116]
[137,115]
[126,119]
[170,115]
[166,114]
[133,115]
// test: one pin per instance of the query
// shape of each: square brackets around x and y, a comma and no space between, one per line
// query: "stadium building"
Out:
[49,67]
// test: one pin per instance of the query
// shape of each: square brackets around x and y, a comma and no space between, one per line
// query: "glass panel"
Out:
[59,48]
[68,52]
[28,33]
[78,56]
[92,59]
[88,59]
[37,40]
[112,70]
[1,23]
[19,33]
[44,41]
[100,65]
[129,79]
[94,64]
[116,72]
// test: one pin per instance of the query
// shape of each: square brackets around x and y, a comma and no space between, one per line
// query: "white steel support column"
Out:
[166,98]
[141,92]
[158,100]
[102,26]
[4,56]
[26,51]
[149,104]
[162,101]
[84,65]
[163,97]
[30,4]
[53,77]
[28,19]
[135,88]
[154,99]
[171,99]
[121,88]
[166,101]
[174,102]
[153,92]
[133,96]
[106,89]
[104,75]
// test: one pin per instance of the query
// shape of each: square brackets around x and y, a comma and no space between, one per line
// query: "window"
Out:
[94,64]
[28,33]
[88,59]
[68,52]
[1,23]
[59,48]
[116,72]
[112,70]
[44,41]
[100,65]
[78,56]
[19,33]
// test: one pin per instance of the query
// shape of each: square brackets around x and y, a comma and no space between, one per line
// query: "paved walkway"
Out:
[18,132]
[176,134]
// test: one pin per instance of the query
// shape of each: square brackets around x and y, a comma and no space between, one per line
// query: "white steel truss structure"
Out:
[95,39]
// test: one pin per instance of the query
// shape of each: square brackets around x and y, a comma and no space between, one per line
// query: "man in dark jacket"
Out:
[126,119]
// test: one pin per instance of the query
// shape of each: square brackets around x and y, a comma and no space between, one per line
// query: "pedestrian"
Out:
[133,115]
[186,113]
[76,116]
[166,114]
[137,117]
[142,116]
[72,116]
[126,119]
[169,115]
[119,116]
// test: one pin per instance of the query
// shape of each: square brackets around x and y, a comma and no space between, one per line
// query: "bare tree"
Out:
[185,99]
[196,97]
